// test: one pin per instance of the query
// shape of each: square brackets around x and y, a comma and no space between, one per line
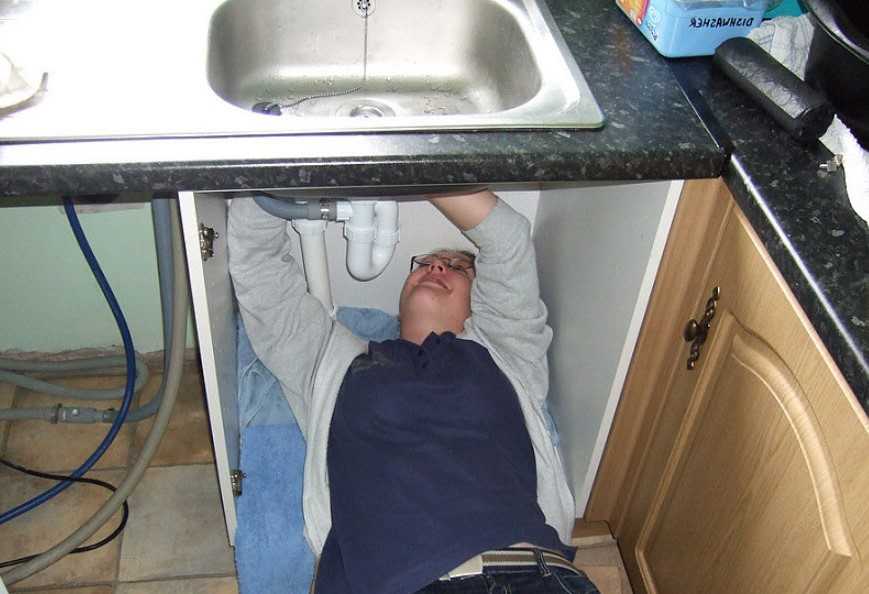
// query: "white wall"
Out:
[50,301]
[598,250]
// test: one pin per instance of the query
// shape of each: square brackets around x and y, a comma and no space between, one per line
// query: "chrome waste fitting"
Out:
[363,8]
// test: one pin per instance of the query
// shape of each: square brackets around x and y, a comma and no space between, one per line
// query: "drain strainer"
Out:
[363,8]
[367,108]
[367,111]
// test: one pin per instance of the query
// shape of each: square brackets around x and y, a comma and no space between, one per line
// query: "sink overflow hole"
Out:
[363,8]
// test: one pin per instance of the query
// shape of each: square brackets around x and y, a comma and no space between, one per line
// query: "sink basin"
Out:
[355,65]
[325,65]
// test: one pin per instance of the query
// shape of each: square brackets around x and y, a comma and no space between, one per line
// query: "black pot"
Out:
[838,61]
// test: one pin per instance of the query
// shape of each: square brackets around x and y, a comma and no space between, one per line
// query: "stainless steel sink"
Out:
[335,65]
[326,65]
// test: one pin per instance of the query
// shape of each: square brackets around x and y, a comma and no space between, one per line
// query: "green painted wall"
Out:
[50,301]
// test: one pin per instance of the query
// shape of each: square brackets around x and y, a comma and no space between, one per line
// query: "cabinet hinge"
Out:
[207,235]
[235,479]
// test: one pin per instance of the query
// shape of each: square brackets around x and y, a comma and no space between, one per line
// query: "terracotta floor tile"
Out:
[187,439]
[63,447]
[7,394]
[605,577]
[604,567]
[48,524]
[227,585]
[606,555]
[177,528]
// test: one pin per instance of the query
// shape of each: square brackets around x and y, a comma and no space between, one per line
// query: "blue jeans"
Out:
[517,580]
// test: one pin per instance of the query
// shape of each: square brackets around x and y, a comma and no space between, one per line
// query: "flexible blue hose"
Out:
[131,372]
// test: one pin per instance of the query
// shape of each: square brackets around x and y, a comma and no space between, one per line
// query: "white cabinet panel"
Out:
[213,307]
[598,251]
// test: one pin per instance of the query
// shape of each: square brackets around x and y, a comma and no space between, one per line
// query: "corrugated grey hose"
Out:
[161,211]
[173,380]
[67,368]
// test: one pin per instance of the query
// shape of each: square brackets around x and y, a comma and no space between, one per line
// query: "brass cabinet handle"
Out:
[695,332]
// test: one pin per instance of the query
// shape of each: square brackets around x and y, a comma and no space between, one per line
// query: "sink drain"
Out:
[363,8]
[367,109]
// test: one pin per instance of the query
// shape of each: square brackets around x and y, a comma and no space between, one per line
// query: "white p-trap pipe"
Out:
[372,233]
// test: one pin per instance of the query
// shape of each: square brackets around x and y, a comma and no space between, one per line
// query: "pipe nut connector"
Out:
[79,414]
[343,210]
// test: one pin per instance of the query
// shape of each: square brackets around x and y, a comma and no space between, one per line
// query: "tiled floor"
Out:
[175,540]
[603,565]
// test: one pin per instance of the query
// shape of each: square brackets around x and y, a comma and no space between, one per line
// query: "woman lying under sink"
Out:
[429,464]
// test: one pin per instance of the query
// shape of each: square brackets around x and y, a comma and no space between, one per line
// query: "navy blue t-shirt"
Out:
[430,463]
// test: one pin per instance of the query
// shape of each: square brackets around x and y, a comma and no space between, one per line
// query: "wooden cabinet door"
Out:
[749,473]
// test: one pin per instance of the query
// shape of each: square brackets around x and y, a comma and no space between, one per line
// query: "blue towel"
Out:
[271,553]
[369,324]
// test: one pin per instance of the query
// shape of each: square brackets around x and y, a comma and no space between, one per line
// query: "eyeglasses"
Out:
[457,263]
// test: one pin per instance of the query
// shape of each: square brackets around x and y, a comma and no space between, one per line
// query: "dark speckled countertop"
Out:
[652,132]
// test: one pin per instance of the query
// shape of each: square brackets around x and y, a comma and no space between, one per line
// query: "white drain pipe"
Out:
[372,233]
[313,240]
